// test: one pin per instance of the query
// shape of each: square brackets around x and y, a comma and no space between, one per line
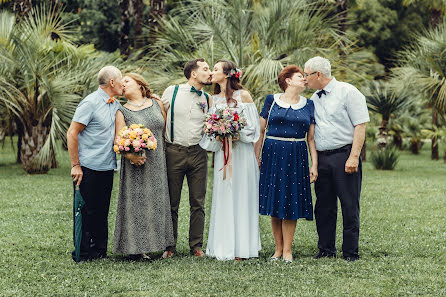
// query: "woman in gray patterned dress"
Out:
[143,220]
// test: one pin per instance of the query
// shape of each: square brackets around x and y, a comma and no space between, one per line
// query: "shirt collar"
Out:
[190,86]
[329,87]
[104,96]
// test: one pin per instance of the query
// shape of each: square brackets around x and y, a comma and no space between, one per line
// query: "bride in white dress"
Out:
[234,226]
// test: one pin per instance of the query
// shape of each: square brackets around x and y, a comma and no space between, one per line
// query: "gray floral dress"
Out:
[143,220]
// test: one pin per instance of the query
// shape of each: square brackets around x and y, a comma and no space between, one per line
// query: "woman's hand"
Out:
[136,159]
[313,174]
[235,138]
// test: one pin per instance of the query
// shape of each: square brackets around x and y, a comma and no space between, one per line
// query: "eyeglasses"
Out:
[306,74]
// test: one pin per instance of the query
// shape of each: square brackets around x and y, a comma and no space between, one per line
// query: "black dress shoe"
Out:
[322,254]
[351,258]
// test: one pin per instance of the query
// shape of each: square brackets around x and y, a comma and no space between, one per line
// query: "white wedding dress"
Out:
[234,225]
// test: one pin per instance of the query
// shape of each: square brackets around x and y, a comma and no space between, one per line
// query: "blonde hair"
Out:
[143,84]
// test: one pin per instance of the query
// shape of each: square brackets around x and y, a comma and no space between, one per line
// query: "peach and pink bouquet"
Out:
[224,122]
[134,139]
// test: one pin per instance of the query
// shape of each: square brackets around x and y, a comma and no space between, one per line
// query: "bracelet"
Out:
[77,164]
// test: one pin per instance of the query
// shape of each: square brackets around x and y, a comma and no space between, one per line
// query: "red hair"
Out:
[288,72]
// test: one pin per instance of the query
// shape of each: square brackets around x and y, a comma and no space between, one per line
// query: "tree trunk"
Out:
[124,43]
[19,131]
[435,18]
[138,7]
[382,134]
[53,159]
[415,146]
[435,155]
[398,141]
[21,8]
[341,7]
[157,10]
[33,139]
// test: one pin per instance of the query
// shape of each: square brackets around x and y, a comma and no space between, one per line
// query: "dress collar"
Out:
[302,102]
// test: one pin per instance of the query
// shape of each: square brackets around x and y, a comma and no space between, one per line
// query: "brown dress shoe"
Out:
[198,253]
[167,255]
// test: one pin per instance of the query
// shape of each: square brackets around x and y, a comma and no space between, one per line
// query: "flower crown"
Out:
[235,72]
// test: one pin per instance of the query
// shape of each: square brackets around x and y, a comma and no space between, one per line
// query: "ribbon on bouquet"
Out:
[227,156]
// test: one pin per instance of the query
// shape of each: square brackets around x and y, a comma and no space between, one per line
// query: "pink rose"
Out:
[136,149]
[143,145]
[126,148]
[121,148]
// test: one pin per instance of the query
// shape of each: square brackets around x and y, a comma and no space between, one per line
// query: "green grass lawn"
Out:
[402,244]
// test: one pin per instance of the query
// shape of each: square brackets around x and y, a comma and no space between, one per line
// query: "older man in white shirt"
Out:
[341,115]
[186,106]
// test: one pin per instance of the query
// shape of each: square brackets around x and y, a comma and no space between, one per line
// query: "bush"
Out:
[385,158]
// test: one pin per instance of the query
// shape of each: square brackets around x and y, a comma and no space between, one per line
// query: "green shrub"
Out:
[385,158]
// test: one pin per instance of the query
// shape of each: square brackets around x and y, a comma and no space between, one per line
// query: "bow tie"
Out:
[111,100]
[193,90]
[320,93]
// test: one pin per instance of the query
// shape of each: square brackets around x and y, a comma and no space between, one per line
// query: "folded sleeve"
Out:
[84,113]
[210,144]
[251,132]
[357,107]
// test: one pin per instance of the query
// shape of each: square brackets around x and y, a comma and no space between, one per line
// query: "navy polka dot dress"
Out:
[284,186]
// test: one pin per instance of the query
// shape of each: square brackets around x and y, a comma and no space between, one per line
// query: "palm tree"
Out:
[436,7]
[437,10]
[138,7]
[423,68]
[385,101]
[22,8]
[124,40]
[260,36]
[157,11]
[42,79]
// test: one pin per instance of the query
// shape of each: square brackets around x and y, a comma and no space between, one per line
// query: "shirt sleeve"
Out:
[357,107]
[267,106]
[84,113]
[167,97]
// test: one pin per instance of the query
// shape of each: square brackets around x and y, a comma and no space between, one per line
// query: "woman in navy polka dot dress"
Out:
[285,176]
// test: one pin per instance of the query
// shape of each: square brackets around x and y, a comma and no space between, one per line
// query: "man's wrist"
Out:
[74,165]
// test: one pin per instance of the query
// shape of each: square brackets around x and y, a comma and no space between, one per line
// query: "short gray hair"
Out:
[319,64]
[107,73]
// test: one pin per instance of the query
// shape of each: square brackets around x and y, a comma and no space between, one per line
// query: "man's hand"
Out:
[76,174]
[351,166]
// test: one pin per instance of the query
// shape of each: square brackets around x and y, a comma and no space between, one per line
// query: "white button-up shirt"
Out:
[337,113]
[188,115]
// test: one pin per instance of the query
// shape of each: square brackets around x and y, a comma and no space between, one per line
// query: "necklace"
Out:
[137,105]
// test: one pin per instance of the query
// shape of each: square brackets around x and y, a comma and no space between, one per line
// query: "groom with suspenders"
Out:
[185,106]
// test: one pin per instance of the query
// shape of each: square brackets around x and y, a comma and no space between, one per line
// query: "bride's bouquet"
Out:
[225,123]
[134,139]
